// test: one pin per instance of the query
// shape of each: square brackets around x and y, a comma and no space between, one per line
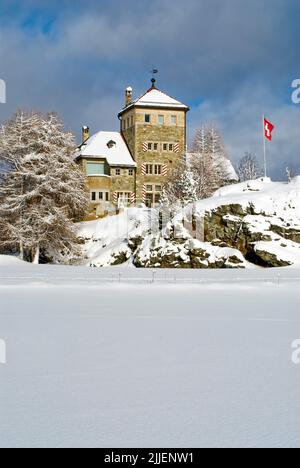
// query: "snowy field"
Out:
[136,358]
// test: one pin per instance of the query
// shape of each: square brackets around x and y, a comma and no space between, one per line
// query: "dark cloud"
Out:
[237,58]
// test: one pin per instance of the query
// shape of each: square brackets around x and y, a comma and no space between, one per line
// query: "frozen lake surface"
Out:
[135,358]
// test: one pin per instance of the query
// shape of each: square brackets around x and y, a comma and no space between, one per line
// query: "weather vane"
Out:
[154,72]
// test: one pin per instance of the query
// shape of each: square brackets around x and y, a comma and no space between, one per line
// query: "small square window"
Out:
[147,118]
[131,172]
[161,120]
[158,188]
[118,172]
[149,188]
[174,119]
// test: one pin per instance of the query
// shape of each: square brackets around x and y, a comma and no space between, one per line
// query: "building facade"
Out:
[131,166]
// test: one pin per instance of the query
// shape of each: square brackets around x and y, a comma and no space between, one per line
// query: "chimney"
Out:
[85,133]
[128,96]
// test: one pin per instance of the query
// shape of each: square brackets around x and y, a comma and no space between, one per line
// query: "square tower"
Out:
[154,128]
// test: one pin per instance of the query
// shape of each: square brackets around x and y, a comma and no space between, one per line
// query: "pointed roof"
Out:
[156,99]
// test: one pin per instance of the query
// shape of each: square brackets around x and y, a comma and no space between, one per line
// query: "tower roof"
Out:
[154,98]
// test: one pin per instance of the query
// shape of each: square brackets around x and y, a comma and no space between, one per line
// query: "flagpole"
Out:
[265,148]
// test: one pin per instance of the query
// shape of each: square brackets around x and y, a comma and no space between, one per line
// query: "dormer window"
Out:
[111,144]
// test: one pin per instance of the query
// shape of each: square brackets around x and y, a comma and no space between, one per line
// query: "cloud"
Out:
[237,58]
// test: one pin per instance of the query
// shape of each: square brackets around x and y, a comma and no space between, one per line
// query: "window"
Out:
[131,120]
[149,169]
[149,146]
[131,172]
[161,120]
[153,195]
[111,144]
[157,169]
[147,118]
[149,200]
[171,146]
[165,147]
[157,197]
[99,196]
[123,198]
[155,146]
[174,119]
[95,169]
[118,172]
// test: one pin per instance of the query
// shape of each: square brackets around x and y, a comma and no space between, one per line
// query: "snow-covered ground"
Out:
[120,357]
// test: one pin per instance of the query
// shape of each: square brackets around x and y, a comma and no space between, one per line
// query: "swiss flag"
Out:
[268,129]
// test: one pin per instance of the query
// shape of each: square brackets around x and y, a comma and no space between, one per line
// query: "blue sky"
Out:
[229,60]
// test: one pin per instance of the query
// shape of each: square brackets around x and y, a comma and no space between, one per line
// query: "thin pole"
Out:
[265,148]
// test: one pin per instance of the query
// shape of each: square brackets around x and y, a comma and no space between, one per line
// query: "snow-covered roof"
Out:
[156,98]
[108,145]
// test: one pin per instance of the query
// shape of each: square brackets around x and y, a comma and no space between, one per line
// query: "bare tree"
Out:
[248,168]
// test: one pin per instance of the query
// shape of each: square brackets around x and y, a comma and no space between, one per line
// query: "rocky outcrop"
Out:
[254,223]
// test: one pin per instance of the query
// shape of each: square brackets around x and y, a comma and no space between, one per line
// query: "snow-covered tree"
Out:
[43,192]
[208,173]
[291,173]
[200,141]
[248,168]
[209,151]
[181,188]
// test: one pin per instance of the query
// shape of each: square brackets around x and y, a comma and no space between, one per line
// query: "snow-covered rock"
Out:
[242,225]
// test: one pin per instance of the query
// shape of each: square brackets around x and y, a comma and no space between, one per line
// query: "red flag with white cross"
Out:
[269,127]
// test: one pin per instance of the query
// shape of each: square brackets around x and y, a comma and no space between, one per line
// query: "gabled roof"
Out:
[107,145]
[157,99]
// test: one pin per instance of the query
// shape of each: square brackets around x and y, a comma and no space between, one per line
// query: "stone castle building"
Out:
[130,166]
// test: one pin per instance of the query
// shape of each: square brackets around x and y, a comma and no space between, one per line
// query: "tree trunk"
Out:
[36,258]
[21,256]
